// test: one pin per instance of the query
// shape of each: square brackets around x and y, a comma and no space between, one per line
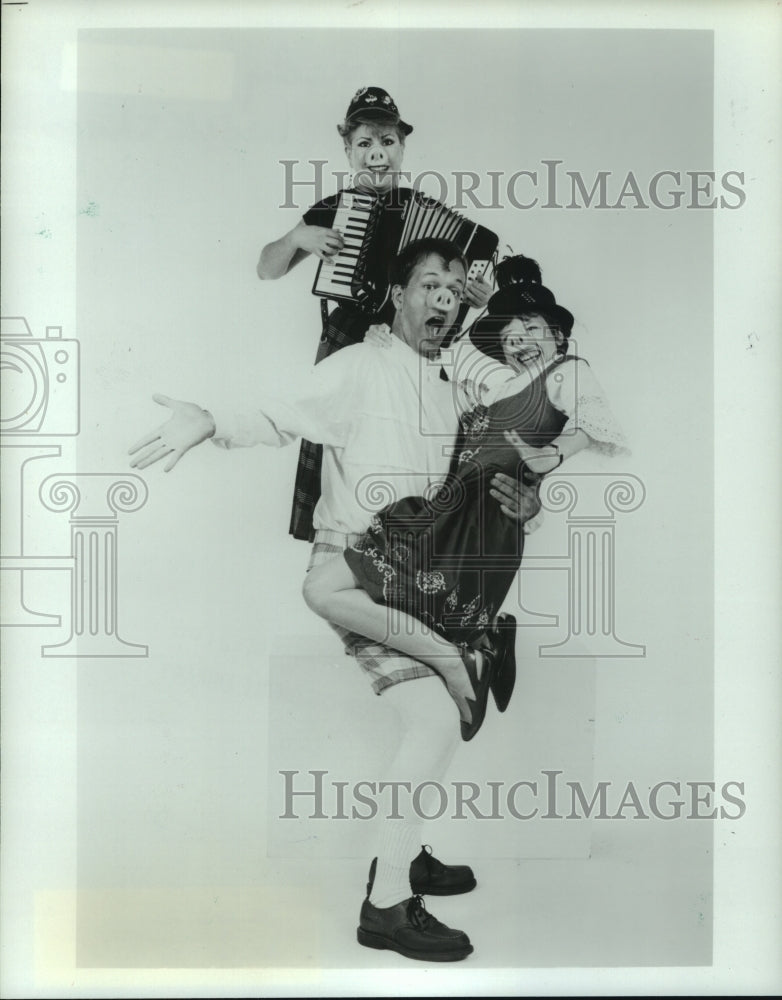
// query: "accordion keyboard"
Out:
[351,220]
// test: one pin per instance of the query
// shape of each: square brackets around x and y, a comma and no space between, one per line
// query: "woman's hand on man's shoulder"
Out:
[379,335]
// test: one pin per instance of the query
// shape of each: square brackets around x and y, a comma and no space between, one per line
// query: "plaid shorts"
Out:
[383,665]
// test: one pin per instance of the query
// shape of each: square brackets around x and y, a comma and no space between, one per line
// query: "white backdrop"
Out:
[180,134]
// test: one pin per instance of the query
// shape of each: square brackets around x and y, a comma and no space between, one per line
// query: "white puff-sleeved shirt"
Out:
[387,421]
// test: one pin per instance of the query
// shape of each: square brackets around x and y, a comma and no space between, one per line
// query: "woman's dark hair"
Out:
[517,269]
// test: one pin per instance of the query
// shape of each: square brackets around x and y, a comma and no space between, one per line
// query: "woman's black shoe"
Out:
[504,677]
[480,687]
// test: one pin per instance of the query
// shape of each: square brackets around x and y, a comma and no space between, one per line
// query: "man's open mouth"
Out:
[435,322]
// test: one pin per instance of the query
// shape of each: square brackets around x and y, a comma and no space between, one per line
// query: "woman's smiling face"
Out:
[529,341]
[375,155]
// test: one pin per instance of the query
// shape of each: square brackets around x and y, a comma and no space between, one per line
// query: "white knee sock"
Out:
[400,841]
[429,735]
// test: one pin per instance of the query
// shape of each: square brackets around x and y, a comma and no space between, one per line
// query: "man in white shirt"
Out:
[388,424]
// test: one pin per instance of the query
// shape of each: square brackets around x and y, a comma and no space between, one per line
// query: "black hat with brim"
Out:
[373,104]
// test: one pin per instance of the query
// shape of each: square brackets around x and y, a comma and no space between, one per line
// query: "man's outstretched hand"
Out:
[188,426]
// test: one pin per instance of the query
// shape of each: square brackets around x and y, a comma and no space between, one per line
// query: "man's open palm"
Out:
[188,426]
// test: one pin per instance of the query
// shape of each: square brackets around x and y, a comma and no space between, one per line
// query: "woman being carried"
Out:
[431,573]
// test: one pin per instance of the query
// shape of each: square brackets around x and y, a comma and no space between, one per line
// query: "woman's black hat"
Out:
[376,105]
[520,293]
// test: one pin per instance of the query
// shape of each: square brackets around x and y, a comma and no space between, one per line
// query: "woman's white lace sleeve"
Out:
[573,388]
[475,375]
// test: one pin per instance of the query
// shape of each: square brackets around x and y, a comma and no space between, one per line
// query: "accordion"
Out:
[355,274]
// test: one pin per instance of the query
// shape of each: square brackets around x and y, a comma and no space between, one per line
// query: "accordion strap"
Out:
[324,315]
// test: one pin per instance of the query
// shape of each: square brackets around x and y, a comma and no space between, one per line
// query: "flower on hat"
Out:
[359,93]
[370,99]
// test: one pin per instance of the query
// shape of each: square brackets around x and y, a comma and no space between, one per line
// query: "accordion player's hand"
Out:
[318,240]
[379,334]
[477,293]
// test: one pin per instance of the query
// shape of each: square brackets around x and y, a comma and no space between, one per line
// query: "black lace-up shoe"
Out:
[409,929]
[412,931]
[431,877]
